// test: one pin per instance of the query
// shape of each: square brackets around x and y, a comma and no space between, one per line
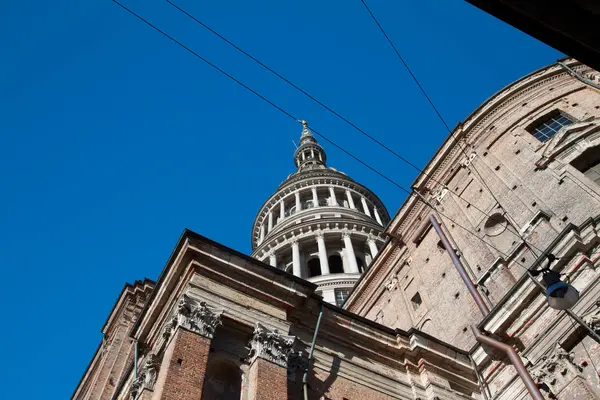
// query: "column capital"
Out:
[319,234]
[371,238]
[201,319]
[346,233]
[146,377]
[270,345]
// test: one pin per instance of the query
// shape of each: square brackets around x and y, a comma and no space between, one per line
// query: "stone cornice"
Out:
[310,229]
[195,254]
[472,129]
[309,181]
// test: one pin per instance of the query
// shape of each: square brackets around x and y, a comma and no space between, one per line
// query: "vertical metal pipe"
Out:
[310,355]
[135,359]
[516,361]
[460,268]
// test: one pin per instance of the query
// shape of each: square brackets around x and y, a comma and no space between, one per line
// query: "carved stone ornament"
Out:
[555,370]
[270,345]
[592,318]
[147,376]
[391,283]
[201,319]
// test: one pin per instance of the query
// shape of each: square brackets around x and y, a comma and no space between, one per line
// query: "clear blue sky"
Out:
[113,139]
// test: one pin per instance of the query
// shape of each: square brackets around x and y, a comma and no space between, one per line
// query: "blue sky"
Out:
[113,139]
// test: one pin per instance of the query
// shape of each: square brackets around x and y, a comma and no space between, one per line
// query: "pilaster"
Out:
[188,335]
[268,358]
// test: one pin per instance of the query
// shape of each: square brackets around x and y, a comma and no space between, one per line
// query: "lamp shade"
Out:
[560,295]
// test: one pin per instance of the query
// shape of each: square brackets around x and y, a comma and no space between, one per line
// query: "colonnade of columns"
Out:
[351,265]
[332,200]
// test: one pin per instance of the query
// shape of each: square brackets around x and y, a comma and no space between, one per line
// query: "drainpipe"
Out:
[310,355]
[135,359]
[578,76]
[483,307]
[514,358]
[516,361]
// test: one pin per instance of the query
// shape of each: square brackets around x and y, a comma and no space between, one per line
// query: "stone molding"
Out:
[592,317]
[270,345]
[201,319]
[555,370]
[146,377]
[309,230]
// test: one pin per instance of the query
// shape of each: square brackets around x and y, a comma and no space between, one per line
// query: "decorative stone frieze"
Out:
[147,376]
[555,370]
[270,345]
[201,319]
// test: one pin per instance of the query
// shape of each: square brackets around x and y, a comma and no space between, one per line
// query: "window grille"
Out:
[546,128]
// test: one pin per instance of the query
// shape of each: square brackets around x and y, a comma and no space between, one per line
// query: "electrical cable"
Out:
[297,120]
[441,118]
[335,113]
[575,327]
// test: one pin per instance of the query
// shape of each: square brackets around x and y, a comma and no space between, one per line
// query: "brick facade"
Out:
[504,199]
[184,366]
[267,381]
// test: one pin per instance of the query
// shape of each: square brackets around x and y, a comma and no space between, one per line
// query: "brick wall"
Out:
[267,381]
[183,367]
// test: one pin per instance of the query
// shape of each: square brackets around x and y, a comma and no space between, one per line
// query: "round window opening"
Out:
[495,225]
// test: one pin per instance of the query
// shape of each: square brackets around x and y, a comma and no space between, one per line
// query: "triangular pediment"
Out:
[566,138]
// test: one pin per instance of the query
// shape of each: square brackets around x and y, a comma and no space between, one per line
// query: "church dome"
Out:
[320,224]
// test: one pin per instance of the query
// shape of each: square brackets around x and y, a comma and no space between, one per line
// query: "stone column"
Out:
[377,217]
[270,220]
[296,269]
[322,254]
[350,200]
[262,233]
[352,264]
[372,247]
[332,196]
[365,206]
[298,204]
[315,197]
[188,334]
[268,359]
[273,260]
[282,209]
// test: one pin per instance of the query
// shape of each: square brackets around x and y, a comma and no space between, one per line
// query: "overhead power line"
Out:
[338,115]
[409,192]
[511,221]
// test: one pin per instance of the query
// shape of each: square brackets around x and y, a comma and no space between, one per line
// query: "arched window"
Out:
[335,264]
[223,381]
[314,267]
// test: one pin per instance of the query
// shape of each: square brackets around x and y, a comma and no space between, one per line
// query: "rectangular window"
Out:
[416,301]
[546,127]
[340,296]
